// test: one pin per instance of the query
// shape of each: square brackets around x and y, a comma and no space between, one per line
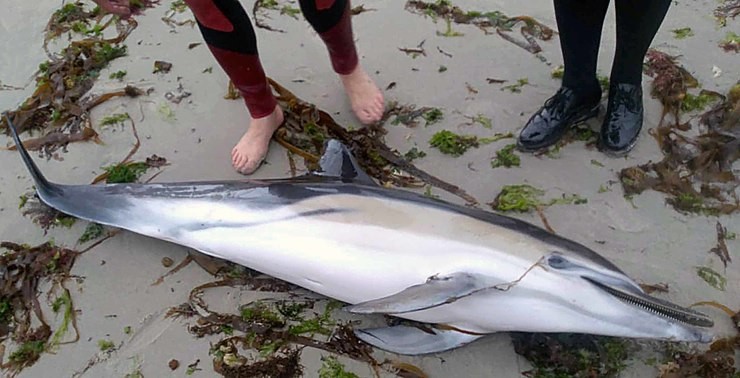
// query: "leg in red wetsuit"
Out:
[229,34]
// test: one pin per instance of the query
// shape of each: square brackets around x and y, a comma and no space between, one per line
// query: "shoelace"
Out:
[627,98]
[558,98]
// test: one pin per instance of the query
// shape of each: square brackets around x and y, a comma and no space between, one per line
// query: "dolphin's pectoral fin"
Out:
[410,340]
[337,161]
[436,291]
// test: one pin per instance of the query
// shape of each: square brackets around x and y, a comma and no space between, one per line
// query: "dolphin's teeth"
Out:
[652,305]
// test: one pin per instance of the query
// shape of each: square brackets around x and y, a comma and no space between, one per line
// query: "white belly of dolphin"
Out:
[352,255]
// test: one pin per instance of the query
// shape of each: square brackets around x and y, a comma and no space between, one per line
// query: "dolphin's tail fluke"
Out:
[44,188]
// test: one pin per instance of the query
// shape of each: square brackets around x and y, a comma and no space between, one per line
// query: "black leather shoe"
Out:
[561,111]
[623,120]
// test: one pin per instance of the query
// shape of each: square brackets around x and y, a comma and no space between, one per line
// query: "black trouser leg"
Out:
[637,23]
[580,23]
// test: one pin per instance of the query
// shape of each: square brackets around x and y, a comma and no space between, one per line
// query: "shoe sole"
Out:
[617,153]
[594,112]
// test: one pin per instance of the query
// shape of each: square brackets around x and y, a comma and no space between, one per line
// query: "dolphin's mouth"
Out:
[657,306]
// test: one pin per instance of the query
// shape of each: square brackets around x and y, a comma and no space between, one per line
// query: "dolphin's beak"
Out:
[655,305]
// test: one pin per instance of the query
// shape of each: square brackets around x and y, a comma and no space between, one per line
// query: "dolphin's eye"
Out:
[557,262]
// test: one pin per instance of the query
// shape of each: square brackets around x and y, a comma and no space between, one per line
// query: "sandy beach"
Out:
[113,294]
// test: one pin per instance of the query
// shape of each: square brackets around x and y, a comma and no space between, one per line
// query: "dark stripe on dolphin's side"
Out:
[504,221]
[304,214]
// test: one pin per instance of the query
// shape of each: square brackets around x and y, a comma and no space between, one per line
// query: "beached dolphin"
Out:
[468,272]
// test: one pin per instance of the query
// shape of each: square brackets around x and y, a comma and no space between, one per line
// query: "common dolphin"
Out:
[465,271]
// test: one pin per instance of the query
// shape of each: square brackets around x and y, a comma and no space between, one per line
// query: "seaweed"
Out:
[670,80]
[55,140]
[414,52]
[332,368]
[285,364]
[524,198]
[581,132]
[27,353]
[531,30]
[193,367]
[731,42]
[506,157]
[683,33]
[432,116]
[717,361]
[127,171]
[517,87]
[721,248]
[557,72]
[118,75]
[373,155]
[480,119]
[274,331]
[177,7]
[520,198]
[73,17]
[64,302]
[22,320]
[711,277]
[261,8]
[448,31]
[413,154]
[495,138]
[572,355]
[453,144]
[693,102]
[696,169]
[408,114]
[727,9]
[105,345]
[92,231]
[60,105]
[42,215]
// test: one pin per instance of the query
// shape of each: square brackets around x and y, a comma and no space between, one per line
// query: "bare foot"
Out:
[252,148]
[367,100]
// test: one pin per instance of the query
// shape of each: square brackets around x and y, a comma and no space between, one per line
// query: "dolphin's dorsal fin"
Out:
[337,161]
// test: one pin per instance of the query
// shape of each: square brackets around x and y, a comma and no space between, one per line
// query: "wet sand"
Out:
[652,242]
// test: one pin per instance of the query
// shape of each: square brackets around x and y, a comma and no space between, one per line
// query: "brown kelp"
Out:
[59,106]
[265,337]
[698,155]
[531,29]
[306,128]
[261,8]
[22,269]
[727,9]
[718,361]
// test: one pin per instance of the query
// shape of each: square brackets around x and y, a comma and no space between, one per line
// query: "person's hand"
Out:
[118,7]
